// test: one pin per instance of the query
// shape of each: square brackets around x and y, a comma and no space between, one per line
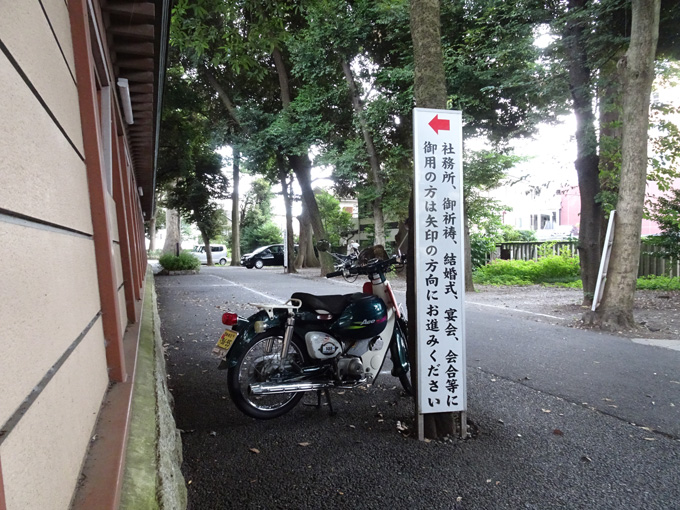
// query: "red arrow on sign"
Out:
[439,124]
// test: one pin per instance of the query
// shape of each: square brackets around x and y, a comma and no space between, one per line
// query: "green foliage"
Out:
[481,246]
[552,269]
[483,171]
[666,212]
[189,168]
[511,276]
[511,234]
[257,228]
[494,72]
[658,283]
[255,236]
[184,262]
[337,223]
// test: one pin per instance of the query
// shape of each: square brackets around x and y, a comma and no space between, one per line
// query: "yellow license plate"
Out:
[227,339]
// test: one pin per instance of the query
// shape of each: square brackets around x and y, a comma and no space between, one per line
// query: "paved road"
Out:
[554,407]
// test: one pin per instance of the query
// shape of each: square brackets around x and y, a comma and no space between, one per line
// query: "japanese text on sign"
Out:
[439,260]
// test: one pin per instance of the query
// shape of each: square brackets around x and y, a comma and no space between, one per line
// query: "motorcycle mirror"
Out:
[323,245]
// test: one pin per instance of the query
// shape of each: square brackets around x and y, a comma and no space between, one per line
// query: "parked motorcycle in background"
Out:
[345,262]
[314,343]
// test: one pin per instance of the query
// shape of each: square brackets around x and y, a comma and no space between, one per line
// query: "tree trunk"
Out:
[469,284]
[306,256]
[152,232]
[610,138]
[637,72]
[222,94]
[586,141]
[302,168]
[172,233]
[235,216]
[288,202]
[376,177]
[206,247]
[430,92]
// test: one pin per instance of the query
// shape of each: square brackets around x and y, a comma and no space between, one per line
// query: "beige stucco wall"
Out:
[41,458]
[41,175]
[26,33]
[49,295]
[43,307]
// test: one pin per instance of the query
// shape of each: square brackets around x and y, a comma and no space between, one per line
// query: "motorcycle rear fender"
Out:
[246,333]
[399,349]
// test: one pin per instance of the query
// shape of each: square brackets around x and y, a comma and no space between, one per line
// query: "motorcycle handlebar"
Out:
[333,274]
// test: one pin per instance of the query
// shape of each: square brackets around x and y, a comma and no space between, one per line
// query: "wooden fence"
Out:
[650,264]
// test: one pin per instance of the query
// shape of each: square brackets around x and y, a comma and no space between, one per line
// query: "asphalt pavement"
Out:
[566,418]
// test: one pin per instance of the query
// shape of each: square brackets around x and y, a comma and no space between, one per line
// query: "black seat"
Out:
[333,304]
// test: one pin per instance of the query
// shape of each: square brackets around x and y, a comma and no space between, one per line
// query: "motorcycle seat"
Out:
[333,304]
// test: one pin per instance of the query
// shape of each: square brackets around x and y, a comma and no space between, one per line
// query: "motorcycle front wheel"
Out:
[260,363]
[404,377]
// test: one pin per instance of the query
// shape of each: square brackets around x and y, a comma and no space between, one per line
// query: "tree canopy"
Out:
[299,84]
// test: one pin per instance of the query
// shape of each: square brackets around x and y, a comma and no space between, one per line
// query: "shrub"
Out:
[553,269]
[185,262]
[481,246]
[658,283]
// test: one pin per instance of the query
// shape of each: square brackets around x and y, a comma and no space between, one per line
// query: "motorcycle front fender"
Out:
[246,333]
[399,349]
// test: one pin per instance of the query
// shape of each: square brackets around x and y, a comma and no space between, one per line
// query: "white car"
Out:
[219,254]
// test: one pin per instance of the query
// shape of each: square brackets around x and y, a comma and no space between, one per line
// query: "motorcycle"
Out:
[345,262]
[314,343]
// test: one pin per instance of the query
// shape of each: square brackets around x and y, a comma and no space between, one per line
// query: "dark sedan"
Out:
[271,255]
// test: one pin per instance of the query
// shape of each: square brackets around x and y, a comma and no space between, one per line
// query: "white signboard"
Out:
[440,274]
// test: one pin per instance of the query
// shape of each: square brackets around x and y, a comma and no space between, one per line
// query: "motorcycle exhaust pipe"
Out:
[275,388]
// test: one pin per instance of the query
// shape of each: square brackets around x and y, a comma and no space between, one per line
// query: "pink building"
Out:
[570,207]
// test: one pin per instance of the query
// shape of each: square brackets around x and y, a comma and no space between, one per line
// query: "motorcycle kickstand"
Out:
[328,399]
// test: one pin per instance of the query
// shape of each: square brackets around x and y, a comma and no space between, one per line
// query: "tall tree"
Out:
[195,193]
[241,45]
[430,92]
[594,36]
[587,161]
[637,75]
[235,223]
[258,228]
[187,159]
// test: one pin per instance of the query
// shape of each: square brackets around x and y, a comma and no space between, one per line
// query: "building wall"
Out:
[53,368]
[571,206]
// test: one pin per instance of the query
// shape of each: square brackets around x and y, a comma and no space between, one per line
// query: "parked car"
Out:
[271,255]
[219,254]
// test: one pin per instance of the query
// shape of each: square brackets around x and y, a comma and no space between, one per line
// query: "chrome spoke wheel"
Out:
[261,363]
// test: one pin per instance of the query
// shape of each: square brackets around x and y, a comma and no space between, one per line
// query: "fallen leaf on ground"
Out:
[304,444]
[254,450]
[558,432]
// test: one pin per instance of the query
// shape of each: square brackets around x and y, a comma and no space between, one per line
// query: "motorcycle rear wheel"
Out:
[257,365]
